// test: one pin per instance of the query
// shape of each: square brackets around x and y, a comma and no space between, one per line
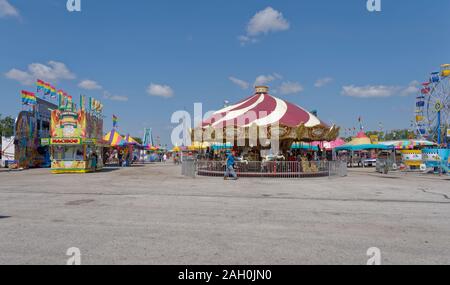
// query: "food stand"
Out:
[76,138]
[75,155]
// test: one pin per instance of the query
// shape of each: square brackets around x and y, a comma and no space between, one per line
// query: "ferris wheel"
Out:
[433,106]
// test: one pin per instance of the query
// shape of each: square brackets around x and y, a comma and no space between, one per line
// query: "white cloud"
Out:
[323,81]
[290,88]
[52,71]
[413,88]
[89,85]
[264,22]
[7,10]
[239,82]
[245,40]
[21,76]
[111,97]
[380,91]
[265,79]
[369,91]
[158,90]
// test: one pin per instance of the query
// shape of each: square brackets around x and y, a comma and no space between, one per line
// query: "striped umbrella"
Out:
[113,138]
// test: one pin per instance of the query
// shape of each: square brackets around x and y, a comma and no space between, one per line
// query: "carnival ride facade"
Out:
[436,160]
[76,138]
[31,127]
[432,115]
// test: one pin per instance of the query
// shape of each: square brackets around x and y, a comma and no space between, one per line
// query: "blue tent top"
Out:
[364,147]
[304,146]
[222,146]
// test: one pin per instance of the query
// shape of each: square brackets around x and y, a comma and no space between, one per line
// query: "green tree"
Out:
[6,126]
[404,134]
[380,135]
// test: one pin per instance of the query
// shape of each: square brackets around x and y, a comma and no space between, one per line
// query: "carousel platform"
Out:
[273,169]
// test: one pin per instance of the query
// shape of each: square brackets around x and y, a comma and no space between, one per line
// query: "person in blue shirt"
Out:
[230,167]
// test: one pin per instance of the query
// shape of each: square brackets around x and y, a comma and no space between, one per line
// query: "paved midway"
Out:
[152,215]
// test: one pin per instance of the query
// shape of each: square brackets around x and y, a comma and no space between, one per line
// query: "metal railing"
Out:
[384,165]
[274,169]
[189,167]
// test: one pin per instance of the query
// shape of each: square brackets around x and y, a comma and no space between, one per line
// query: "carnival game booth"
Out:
[76,138]
[261,129]
[411,156]
[134,148]
[437,160]
[361,151]
[117,147]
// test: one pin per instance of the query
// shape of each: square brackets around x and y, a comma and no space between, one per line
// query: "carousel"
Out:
[256,122]
[261,130]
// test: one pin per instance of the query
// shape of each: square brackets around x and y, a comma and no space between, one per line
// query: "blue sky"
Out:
[330,56]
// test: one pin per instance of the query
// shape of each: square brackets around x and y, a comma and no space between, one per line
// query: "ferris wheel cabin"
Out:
[445,70]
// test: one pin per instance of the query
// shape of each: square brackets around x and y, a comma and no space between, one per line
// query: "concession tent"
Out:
[329,145]
[362,142]
[364,147]
[113,138]
[409,144]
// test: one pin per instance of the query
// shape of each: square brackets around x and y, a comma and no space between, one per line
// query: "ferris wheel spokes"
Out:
[433,105]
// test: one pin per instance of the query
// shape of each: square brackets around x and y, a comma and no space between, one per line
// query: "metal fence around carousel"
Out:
[189,167]
[270,169]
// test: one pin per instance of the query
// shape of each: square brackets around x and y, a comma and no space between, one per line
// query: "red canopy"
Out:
[262,109]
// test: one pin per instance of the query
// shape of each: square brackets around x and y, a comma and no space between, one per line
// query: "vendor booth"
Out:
[437,159]
[76,139]
[361,151]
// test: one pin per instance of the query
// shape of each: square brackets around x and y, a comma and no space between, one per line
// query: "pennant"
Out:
[28,98]
[40,85]
[82,102]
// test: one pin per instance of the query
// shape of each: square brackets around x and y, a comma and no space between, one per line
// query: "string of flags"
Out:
[65,101]
[95,105]
[46,88]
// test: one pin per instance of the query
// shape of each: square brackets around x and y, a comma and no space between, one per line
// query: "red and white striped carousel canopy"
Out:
[262,109]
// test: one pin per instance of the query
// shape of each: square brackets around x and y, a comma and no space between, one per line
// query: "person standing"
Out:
[94,162]
[120,157]
[230,166]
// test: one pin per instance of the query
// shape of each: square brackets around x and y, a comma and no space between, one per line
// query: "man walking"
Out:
[230,167]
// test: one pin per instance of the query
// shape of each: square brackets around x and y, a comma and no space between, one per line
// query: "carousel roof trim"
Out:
[267,110]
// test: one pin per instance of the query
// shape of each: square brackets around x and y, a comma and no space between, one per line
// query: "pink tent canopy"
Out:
[329,145]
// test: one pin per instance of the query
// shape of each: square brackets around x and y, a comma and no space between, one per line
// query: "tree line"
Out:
[6,126]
